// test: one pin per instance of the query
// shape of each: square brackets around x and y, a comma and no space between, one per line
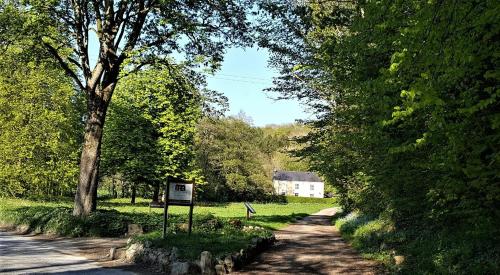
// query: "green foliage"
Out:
[407,97]
[293,199]
[150,130]
[40,117]
[231,156]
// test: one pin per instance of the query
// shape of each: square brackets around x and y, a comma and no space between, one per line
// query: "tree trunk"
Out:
[132,201]
[86,192]
[113,188]
[156,192]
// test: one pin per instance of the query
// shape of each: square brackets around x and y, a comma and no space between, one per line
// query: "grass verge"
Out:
[422,250]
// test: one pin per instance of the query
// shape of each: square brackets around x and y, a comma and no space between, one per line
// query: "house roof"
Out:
[296,176]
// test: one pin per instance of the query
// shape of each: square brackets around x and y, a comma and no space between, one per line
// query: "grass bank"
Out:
[422,250]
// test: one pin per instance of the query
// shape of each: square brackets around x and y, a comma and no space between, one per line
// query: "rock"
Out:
[179,268]
[112,252]
[229,263]
[164,263]
[399,260]
[173,254]
[129,241]
[147,244]
[23,229]
[183,227]
[134,252]
[237,261]
[134,229]
[151,256]
[236,223]
[120,253]
[219,269]
[207,263]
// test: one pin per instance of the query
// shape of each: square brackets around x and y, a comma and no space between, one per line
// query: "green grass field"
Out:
[269,215]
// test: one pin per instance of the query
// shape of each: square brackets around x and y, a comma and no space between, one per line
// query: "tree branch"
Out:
[64,65]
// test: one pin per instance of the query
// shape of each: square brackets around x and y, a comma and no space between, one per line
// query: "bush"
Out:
[293,199]
[60,221]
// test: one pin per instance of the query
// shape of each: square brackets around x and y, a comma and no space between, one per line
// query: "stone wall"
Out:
[167,260]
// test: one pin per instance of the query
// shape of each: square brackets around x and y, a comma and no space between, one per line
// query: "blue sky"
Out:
[243,78]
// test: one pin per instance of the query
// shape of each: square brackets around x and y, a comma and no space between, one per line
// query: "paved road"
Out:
[310,246]
[27,255]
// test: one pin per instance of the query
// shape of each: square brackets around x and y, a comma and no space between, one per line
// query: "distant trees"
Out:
[237,159]
[231,157]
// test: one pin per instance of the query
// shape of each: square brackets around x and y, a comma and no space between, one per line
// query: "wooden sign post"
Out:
[178,192]
[250,210]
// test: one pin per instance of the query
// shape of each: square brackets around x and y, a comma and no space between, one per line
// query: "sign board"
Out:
[180,193]
[250,210]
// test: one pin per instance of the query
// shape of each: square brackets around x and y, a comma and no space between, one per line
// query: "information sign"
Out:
[178,192]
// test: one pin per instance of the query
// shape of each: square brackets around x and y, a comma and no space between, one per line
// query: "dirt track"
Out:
[310,246]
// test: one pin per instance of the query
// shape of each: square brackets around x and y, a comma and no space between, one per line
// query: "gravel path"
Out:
[28,255]
[310,246]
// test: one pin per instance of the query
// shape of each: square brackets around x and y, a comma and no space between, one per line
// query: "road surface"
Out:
[310,246]
[28,255]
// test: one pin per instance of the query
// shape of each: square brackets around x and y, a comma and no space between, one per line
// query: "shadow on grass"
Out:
[271,221]
[114,204]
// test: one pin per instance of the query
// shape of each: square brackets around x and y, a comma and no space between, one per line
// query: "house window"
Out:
[311,195]
[312,187]
[283,193]
[296,186]
[296,194]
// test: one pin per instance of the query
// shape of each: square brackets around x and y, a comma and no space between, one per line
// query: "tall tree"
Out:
[150,130]
[132,34]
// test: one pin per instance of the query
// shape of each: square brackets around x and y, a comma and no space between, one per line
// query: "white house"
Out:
[299,184]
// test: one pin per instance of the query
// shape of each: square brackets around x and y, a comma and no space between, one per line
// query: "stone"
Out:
[207,263]
[134,229]
[112,252]
[179,268]
[173,254]
[134,252]
[229,263]
[219,269]
[129,241]
[151,256]
[23,229]
[164,263]
[399,259]
[183,227]
[120,253]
